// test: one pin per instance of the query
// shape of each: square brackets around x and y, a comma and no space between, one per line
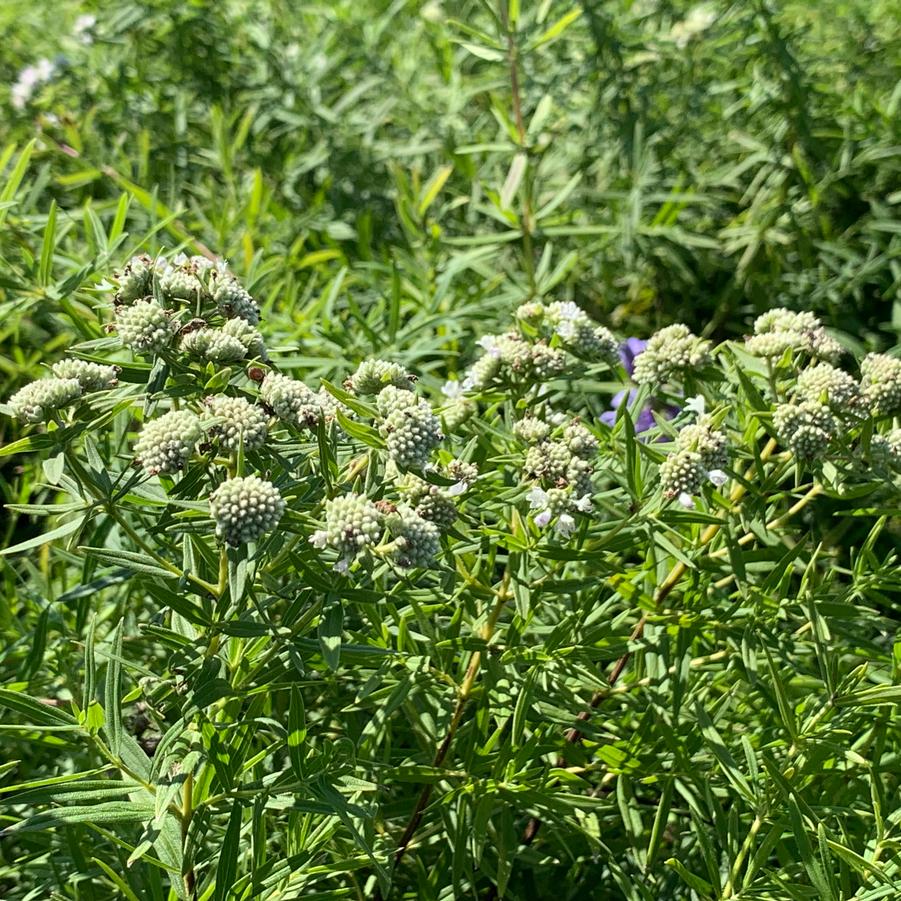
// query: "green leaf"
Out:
[331,625]
[112,697]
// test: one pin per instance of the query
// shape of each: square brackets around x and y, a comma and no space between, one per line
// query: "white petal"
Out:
[342,566]
[537,497]
[583,504]
[686,500]
[457,489]
[718,477]
[319,538]
[696,404]
[452,389]
[543,518]
[469,383]
[565,524]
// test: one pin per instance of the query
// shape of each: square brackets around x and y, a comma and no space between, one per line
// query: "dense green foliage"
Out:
[683,689]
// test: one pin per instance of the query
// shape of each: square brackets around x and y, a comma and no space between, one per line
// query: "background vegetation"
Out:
[393,179]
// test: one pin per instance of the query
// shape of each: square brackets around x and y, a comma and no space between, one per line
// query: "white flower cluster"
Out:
[887,449]
[91,376]
[245,508]
[571,326]
[560,464]
[222,313]
[806,428]
[410,428]
[144,326]
[238,423]
[417,540]
[674,350]
[433,502]
[353,524]
[780,330]
[881,383]
[373,376]
[167,442]
[823,383]
[41,400]
[699,456]
[296,403]
[30,79]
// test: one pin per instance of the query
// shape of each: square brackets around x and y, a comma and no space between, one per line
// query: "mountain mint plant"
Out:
[368,630]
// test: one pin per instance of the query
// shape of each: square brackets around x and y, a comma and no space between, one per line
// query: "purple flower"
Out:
[628,351]
[645,418]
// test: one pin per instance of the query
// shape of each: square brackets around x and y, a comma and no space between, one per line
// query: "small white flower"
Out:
[566,329]
[19,95]
[558,418]
[565,525]
[457,489]
[452,389]
[567,310]
[342,566]
[83,26]
[45,69]
[543,518]
[537,498]
[319,538]
[583,504]
[686,500]
[718,477]
[29,77]
[488,343]
[696,405]
[469,383]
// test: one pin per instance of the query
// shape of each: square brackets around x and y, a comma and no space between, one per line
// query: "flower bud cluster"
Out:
[212,344]
[433,502]
[417,540]
[372,376]
[245,508]
[39,401]
[510,358]
[353,523]
[90,376]
[237,423]
[806,428]
[673,350]
[235,340]
[781,330]
[189,287]
[560,463]
[823,383]
[135,281]
[887,449]
[682,475]
[232,299]
[144,326]
[572,328]
[292,401]
[410,428]
[699,456]
[167,443]
[705,440]
[881,383]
